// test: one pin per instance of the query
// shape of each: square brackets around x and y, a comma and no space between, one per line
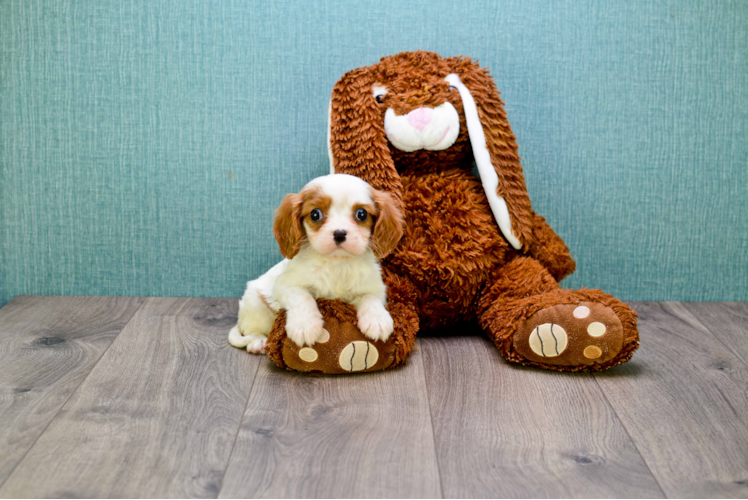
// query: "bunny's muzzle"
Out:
[434,129]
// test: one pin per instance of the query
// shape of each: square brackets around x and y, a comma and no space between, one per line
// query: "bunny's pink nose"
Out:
[420,117]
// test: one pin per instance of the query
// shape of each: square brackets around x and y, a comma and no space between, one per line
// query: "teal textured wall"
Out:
[145,144]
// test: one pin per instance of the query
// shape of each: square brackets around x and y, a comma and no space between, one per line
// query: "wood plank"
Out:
[366,435]
[728,321]
[683,401]
[503,430]
[48,345]
[156,417]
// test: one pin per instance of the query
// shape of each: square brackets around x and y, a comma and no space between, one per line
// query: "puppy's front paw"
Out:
[257,345]
[375,323]
[304,329]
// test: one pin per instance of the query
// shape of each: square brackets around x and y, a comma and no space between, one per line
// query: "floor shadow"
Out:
[633,368]
[463,329]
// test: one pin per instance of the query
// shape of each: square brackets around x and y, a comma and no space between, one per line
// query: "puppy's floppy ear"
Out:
[287,227]
[357,140]
[388,227]
[495,150]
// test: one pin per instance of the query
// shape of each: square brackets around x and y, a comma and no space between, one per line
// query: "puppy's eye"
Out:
[451,88]
[379,98]
[361,215]
[315,215]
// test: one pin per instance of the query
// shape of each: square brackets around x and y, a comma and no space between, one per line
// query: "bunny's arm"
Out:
[550,250]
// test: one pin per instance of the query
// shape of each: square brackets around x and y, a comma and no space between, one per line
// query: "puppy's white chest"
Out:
[344,281]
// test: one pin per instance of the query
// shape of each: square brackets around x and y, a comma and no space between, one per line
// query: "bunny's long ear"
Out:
[357,141]
[495,150]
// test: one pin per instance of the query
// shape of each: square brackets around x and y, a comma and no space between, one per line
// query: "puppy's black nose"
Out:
[339,235]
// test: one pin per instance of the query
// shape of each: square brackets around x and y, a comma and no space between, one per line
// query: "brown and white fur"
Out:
[332,234]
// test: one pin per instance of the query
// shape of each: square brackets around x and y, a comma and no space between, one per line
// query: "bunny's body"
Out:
[447,262]
[415,125]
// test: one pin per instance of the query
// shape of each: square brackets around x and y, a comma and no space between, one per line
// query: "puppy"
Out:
[332,234]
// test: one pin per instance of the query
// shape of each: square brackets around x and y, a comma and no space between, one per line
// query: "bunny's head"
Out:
[417,111]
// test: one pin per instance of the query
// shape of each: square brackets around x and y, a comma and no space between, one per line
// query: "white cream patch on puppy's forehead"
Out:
[344,190]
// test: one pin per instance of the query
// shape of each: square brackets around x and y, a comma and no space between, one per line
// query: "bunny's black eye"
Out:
[361,215]
[315,215]
[379,98]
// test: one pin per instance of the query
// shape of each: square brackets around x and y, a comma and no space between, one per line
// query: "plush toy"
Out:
[415,125]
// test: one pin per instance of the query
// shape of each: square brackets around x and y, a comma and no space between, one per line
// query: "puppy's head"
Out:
[338,216]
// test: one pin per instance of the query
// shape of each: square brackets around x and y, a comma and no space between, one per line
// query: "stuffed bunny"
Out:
[415,125]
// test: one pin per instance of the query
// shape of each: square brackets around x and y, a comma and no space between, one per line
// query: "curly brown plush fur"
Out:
[453,264]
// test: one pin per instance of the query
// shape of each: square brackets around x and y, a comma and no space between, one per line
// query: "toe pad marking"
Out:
[308,354]
[548,340]
[358,356]
[581,312]
[592,352]
[596,329]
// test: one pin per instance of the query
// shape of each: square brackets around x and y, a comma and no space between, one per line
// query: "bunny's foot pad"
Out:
[343,348]
[580,334]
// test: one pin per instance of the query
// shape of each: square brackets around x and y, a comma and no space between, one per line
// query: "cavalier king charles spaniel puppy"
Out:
[332,234]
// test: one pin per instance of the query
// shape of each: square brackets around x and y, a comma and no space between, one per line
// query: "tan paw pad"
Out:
[358,356]
[596,329]
[592,352]
[548,340]
[324,337]
[581,312]
[308,354]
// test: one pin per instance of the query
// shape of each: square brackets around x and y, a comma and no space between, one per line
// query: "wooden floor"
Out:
[143,397]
